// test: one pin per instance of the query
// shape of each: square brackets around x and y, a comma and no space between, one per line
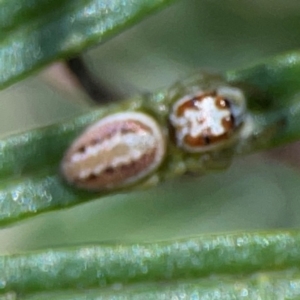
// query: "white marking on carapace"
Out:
[117,150]
[206,117]
[206,120]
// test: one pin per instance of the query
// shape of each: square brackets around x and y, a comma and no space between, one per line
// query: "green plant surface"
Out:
[167,262]
[271,84]
[217,266]
[261,285]
[31,181]
[27,41]
[272,87]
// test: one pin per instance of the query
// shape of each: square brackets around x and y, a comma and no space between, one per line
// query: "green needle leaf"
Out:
[272,87]
[178,264]
[30,181]
[227,266]
[272,83]
[33,33]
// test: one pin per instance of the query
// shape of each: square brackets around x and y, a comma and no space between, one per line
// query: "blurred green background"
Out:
[257,192]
